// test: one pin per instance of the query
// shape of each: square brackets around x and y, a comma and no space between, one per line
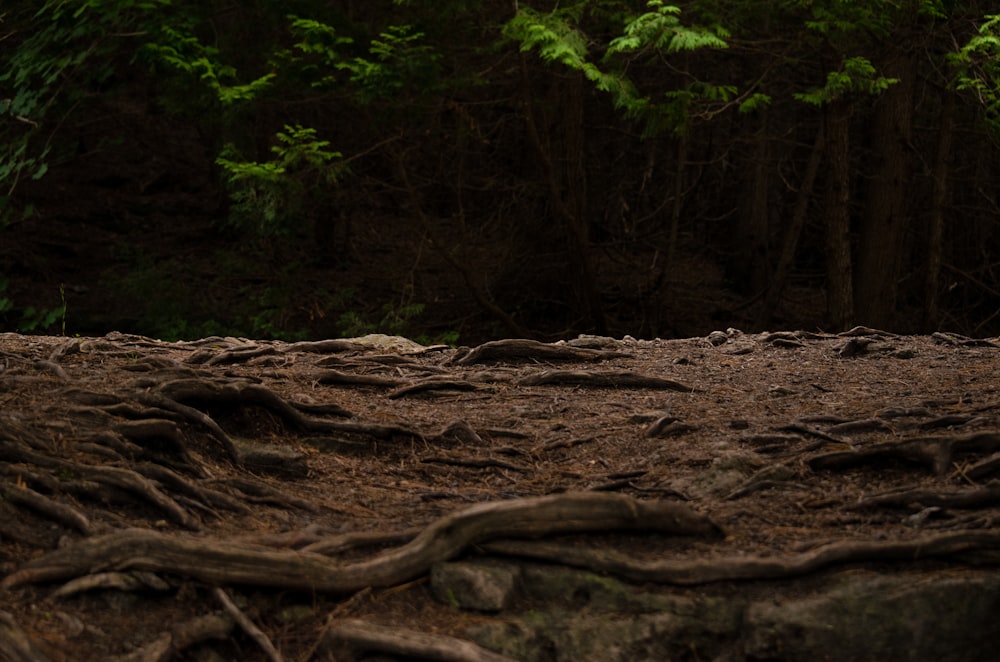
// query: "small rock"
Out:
[668,426]
[277,460]
[473,586]
[717,338]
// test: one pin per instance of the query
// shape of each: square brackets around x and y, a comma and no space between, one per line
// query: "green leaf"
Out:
[755,102]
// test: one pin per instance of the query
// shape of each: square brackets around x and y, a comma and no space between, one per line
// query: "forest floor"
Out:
[248,500]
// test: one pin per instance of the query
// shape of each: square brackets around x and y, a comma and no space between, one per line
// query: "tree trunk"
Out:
[840,292]
[587,292]
[881,247]
[750,268]
[566,181]
[935,229]
[793,233]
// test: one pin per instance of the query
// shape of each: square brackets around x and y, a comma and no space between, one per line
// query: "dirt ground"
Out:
[236,499]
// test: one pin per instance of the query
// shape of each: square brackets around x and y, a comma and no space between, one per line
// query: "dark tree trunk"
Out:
[840,291]
[750,268]
[935,226]
[793,233]
[574,209]
[880,253]
[564,173]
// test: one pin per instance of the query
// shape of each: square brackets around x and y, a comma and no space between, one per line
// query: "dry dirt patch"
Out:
[267,500]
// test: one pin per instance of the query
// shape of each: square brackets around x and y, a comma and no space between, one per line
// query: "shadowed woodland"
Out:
[474,170]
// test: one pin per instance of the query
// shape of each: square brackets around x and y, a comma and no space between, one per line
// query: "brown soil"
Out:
[249,466]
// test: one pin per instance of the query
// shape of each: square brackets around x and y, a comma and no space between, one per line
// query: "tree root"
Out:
[348,379]
[474,462]
[972,498]
[359,636]
[136,484]
[432,384]
[248,626]
[602,379]
[207,496]
[22,495]
[531,350]
[706,571]
[16,645]
[95,481]
[934,452]
[119,581]
[226,562]
[183,636]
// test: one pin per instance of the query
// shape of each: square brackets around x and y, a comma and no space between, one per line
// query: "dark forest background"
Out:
[457,171]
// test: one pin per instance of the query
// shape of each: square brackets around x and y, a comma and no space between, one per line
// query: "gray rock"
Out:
[599,618]
[566,614]
[468,585]
[869,616]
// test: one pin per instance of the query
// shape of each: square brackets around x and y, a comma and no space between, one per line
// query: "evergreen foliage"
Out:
[269,196]
[977,65]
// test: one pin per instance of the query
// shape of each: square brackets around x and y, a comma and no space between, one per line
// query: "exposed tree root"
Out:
[432,384]
[16,645]
[461,431]
[158,432]
[972,498]
[227,562]
[743,568]
[144,488]
[255,491]
[532,350]
[475,462]
[95,479]
[196,416]
[71,517]
[178,434]
[984,468]
[332,346]
[207,496]
[236,393]
[183,636]
[358,636]
[119,581]
[349,379]
[248,626]
[602,379]
[332,545]
[934,452]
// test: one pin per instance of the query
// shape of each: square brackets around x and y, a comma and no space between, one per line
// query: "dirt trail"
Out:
[701,498]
